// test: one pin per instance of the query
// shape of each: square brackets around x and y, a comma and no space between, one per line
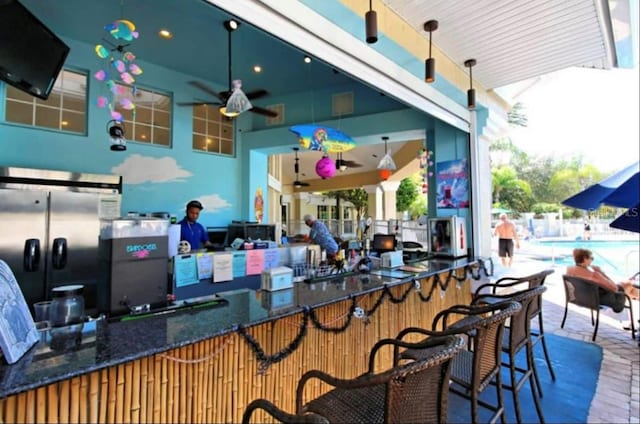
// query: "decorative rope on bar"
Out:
[227,341]
[266,360]
[356,311]
[316,322]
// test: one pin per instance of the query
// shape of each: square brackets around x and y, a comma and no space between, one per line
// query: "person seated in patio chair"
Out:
[611,293]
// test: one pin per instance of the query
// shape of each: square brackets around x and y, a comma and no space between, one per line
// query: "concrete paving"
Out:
[617,397]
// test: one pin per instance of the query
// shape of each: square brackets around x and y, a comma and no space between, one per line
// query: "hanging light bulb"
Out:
[430,63]
[471,93]
[371,24]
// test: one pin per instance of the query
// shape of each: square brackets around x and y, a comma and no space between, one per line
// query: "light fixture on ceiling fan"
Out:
[296,167]
[224,96]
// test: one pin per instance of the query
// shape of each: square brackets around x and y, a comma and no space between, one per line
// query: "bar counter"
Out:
[205,364]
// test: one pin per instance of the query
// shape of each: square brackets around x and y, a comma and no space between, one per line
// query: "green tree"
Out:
[406,194]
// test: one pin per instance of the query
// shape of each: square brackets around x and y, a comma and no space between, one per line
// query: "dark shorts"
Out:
[615,300]
[505,248]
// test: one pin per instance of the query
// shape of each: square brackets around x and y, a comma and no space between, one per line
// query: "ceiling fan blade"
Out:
[256,94]
[300,184]
[352,164]
[202,86]
[199,104]
[263,111]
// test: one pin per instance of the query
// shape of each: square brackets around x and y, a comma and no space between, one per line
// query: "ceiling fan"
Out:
[297,183]
[343,164]
[223,96]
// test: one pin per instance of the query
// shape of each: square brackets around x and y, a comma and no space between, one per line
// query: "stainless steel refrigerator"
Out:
[50,225]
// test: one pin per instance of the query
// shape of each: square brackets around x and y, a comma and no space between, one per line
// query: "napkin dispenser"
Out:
[391,259]
[277,278]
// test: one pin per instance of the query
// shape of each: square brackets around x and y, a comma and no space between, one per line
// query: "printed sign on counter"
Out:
[185,270]
[205,265]
[271,258]
[239,264]
[255,261]
[222,267]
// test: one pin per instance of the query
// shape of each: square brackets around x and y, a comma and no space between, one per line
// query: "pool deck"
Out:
[617,396]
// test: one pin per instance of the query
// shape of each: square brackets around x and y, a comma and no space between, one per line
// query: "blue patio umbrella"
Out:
[630,220]
[622,190]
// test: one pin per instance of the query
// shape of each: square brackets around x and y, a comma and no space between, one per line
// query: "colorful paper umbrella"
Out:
[324,139]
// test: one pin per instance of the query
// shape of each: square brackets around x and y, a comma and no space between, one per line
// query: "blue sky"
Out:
[584,111]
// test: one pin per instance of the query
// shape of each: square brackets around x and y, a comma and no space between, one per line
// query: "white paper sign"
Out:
[222,267]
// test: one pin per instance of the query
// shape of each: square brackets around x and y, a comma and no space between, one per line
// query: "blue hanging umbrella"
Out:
[622,190]
[630,220]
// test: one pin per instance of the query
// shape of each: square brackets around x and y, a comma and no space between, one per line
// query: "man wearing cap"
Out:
[320,235]
[191,230]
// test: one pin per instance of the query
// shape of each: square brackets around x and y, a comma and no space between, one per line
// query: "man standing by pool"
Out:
[506,232]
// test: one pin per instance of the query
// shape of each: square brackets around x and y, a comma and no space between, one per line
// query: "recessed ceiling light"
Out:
[307,59]
[257,69]
[165,33]
[64,123]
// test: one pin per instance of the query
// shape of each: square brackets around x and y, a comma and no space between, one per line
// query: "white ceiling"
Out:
[515,40]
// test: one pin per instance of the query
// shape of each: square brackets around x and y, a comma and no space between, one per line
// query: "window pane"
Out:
[226,132]
[71,102]
[200,111]
[161,119]
[199,142]
[73,121]
[143,115]
[226,147]
[47,117]
[161,136]
[200,126]
[69,92]
[142,133]
[20,113]
[213,129]
[14,93]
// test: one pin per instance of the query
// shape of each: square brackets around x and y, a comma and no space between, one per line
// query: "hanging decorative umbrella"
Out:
[323,139]
[622,190]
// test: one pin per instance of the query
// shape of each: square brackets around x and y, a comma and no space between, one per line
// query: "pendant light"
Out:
[430,63]
[371,24]
[471,93]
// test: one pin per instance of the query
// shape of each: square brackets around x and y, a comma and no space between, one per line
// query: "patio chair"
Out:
[516,338]
[585,293]
[473,370]
[535,311]
[406,392]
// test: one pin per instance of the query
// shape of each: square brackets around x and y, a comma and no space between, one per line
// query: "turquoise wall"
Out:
[158,178]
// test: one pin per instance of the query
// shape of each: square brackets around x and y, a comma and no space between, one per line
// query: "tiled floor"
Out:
[617,398]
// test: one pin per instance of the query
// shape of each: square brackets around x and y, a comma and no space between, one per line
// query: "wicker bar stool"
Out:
[535,311]
[516,338]
[473,370]
[408,392]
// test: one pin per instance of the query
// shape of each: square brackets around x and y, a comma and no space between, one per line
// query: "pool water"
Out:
[616,258]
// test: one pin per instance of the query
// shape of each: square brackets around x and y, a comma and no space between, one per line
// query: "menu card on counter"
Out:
[222,267]
[255,261]
[271,258]
[185,270]
[239,264]
[205,265]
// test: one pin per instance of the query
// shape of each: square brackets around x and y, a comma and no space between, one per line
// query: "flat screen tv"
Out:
[383,243]
[31,56]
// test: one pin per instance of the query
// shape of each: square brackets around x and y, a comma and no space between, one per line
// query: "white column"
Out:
[389,189]
[374,204]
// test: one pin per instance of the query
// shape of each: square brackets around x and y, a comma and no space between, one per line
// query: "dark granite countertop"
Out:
[76,350]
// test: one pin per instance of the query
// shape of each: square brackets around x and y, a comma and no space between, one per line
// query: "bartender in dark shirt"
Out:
[191,230]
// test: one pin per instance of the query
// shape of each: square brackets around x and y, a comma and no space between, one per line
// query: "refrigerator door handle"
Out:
[31,256]
[59,253]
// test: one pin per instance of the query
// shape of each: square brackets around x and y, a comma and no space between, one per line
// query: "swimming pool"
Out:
[621,258]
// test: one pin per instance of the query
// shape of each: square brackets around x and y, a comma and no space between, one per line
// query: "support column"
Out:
[374,204]
[389,189]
